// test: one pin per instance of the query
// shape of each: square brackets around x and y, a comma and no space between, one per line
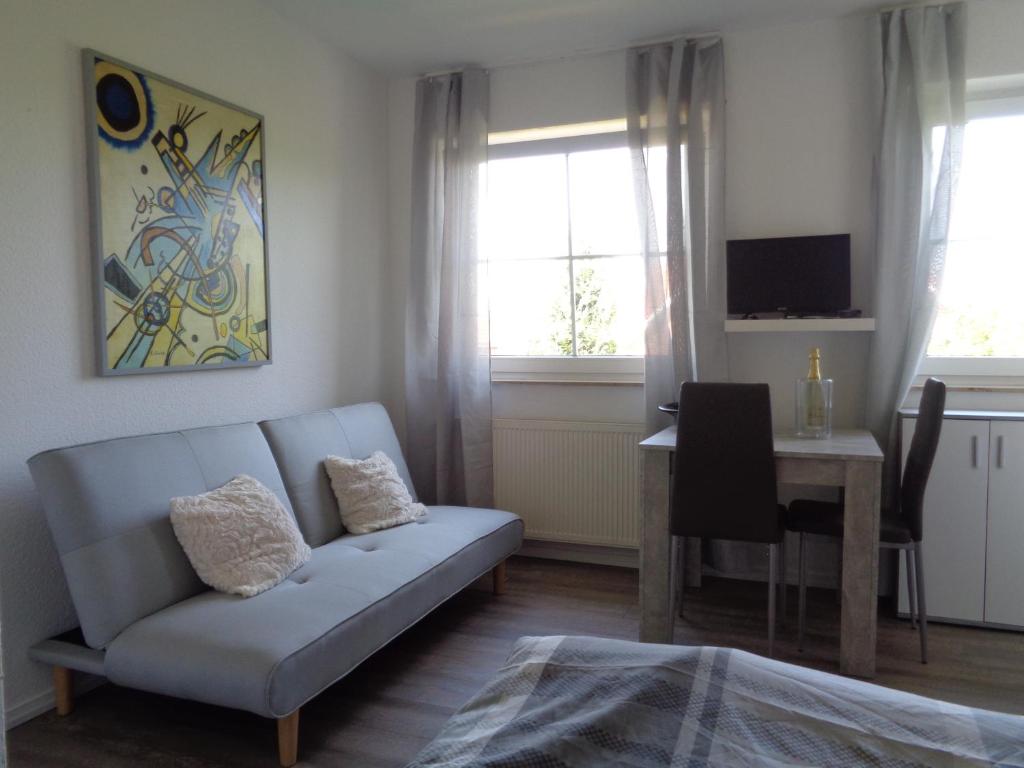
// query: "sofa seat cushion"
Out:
[271,653]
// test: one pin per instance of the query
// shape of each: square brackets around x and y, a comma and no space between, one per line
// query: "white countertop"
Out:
[978,415]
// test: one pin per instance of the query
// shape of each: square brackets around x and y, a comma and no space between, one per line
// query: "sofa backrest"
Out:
[301,443]
[107,505]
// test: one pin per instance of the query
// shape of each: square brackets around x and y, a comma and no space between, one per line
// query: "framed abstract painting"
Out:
[178,183]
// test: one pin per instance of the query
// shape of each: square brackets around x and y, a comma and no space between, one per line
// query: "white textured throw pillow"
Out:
[239,538]
[370,493]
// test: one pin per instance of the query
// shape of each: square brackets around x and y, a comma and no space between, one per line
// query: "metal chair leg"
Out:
[782,578]
[922,614]
[673,574]
[839,587]
[908,561]
[681,566]
[801,596]
[773,565]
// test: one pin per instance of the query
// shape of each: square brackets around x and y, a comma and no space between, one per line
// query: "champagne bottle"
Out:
[814,400]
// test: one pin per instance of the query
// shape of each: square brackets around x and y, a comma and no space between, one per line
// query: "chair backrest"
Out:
[724,483]
[921,455]
[108,508]
[301,443]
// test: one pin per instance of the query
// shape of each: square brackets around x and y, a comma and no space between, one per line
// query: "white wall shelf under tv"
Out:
[800,325]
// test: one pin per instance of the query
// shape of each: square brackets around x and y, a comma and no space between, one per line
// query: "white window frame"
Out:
[582,369]
[986,97]
[622,370]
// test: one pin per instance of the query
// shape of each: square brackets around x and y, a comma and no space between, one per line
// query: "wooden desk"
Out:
[850,459]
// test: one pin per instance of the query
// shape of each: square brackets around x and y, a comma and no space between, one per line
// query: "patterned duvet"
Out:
[584,702]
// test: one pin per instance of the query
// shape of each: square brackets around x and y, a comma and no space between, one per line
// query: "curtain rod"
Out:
[907,6]
[643,43]
[577,55]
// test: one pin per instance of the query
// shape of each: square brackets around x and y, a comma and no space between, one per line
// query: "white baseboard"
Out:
[624,557]
[29,708]
[42,702]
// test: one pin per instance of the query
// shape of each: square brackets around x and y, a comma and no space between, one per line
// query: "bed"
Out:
[585,702]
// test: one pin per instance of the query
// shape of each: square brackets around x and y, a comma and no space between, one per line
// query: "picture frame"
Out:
[177,182]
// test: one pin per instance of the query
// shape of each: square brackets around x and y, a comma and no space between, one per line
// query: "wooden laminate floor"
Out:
[388,709]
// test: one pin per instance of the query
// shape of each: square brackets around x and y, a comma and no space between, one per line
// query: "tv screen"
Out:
[796,275]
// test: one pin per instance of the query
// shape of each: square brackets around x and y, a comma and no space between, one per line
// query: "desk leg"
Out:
[655,549]
[860,569]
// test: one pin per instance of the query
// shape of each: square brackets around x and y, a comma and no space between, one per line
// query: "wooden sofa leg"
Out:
[498,578]
[288,739]
[63,689]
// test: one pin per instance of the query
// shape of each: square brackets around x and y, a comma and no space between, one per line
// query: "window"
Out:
[560,236]
[979,328]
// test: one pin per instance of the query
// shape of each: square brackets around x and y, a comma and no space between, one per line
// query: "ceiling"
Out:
[416,36]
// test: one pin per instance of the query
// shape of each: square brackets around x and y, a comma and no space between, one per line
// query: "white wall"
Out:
[401,113]
[326,211]
[798,158]
[559,92]
[994,38]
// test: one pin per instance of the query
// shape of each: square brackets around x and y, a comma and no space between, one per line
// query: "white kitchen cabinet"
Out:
[1004,592]
[953,544]
[973,520]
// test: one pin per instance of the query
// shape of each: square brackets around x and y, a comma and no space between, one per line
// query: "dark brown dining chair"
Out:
[723,482]
[901,528]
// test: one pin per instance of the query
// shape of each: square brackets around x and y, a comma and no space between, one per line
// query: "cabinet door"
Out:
[954,540]
[1004,587]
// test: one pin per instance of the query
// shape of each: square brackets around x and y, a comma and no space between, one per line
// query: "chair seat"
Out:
[825,518]
[694,530]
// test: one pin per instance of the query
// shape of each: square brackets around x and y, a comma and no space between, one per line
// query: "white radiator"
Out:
[575,482]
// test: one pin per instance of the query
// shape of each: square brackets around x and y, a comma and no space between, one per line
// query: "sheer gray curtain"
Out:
[447,355]
[922,83]
[675,112]
[675,116]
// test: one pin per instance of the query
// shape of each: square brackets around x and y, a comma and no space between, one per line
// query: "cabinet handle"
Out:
[999,452]
[974,451]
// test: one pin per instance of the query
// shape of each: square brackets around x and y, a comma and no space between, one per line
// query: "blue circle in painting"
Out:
[117,102]
[125,112]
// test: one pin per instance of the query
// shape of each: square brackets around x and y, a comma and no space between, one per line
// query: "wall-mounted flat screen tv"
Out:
[795,275]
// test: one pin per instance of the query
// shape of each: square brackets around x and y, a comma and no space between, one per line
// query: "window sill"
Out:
[955,385]
[994,375]
[983,371]
[605,371]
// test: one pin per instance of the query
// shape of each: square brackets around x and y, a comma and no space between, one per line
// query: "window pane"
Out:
[657,179]
[609,303]
[603,203]
[530,311]
[978,313]
[526,216]
[989,193]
